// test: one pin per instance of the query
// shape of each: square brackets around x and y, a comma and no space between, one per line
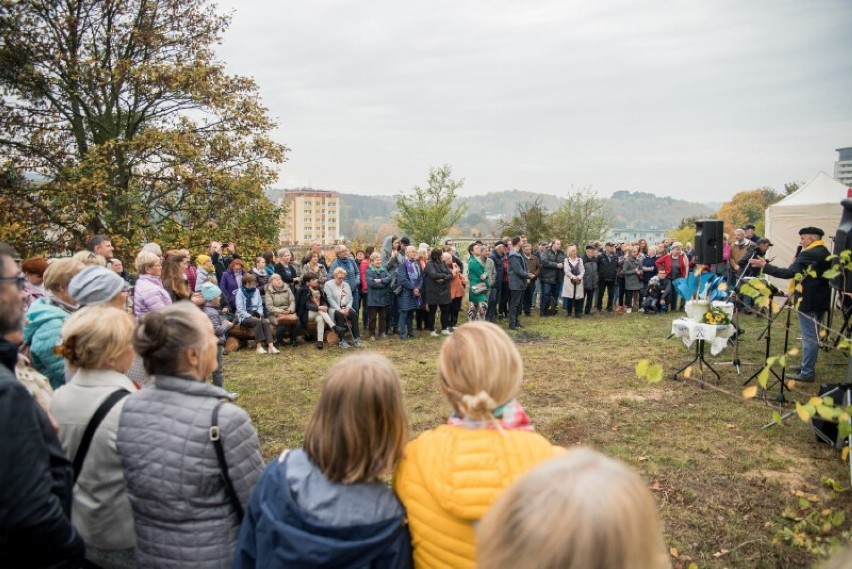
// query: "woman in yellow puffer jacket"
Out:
[450,476]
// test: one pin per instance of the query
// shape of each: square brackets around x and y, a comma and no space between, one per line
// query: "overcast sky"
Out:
[695,99]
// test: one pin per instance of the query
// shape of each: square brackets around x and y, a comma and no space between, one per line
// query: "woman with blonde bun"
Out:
[101,355]
[450,476]
[596,513]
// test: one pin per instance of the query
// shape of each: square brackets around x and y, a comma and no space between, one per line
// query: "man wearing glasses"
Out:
[36,478]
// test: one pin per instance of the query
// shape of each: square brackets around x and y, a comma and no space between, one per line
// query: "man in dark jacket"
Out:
[220,261]
[35,477]
[607,273]
[813,300]
[552,262]
[496,256]
[519,276]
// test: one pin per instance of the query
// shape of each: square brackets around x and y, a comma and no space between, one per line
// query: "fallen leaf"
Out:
[750,392]
[673,551]
[641,458]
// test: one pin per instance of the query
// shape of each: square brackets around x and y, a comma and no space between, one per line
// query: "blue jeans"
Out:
[548,291]
[406,323]
[808,322]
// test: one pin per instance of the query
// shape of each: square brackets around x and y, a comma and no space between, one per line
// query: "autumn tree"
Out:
[685,230]
[427,214]
[581,218]
[748,207]
[116,118]
[531,219]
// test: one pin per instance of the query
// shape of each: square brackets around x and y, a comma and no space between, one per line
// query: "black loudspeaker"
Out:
[709,240]
[842,241]
[840,394]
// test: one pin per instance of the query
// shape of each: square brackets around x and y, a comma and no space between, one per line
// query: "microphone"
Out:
[798,250]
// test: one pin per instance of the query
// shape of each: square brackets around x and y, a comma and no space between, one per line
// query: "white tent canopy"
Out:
[816,204]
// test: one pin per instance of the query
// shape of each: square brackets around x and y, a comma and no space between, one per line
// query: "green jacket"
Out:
[476,268]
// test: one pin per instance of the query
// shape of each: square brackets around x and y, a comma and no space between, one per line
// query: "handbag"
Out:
[287,318]
[479,288]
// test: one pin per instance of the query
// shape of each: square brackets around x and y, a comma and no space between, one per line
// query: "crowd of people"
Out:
[102,469]
[104,472]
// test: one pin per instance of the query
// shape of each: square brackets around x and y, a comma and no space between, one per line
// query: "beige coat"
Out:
[277,301]
[101,510]
[572,285]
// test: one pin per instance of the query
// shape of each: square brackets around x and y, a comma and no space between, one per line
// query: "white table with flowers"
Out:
[697,329]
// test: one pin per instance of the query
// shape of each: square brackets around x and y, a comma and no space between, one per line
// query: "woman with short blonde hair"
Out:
[449,476]
[326,504]
[101,355]
[586,525]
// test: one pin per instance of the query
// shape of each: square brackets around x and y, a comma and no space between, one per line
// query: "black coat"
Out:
[436,283]
[35,483]
[607,268]
[549,272]
[816,292]
[304,303]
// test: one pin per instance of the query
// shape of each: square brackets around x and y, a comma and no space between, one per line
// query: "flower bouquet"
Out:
[717,316]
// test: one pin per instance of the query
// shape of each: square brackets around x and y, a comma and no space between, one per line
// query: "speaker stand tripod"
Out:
[767,333]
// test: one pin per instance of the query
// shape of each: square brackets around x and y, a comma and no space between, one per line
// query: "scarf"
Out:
[791,288]
[248,294]
[269,270]
[575,266]
[510,416]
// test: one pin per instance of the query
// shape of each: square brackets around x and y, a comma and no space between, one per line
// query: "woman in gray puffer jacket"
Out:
[184,515]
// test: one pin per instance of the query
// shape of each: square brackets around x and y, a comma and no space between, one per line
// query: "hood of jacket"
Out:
[287,534]
[387,242]
[40,313]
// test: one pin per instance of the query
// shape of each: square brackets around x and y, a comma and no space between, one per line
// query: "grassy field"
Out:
[730,494]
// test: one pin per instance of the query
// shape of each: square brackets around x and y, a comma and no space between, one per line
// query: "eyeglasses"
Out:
[19,281]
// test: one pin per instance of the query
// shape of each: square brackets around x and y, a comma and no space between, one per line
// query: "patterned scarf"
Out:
[510,416]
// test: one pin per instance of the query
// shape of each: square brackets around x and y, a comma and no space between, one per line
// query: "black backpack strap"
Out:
[92,427]
[216,438]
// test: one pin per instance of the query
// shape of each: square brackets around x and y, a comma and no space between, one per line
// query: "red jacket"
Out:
[665,262]
[365,264]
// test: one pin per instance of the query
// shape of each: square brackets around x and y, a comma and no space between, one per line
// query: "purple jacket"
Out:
[149,295]
[229,285]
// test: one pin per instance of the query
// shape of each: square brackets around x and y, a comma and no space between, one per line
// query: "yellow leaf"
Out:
[844,454]
[642,367]
[750,392]
[687,373]
[793,351]
[674,552]
[815,401]
[802,412]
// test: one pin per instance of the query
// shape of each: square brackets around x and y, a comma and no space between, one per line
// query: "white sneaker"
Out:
[273,350]
[260,350]
[445,332]
[629,310]
[434,334]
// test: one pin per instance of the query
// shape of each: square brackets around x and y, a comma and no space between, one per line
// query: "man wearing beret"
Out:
[813,300]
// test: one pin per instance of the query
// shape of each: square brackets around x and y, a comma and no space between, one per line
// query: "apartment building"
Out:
[311,214]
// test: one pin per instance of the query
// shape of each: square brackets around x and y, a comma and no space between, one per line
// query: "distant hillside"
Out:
[366,215]
[643,210]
